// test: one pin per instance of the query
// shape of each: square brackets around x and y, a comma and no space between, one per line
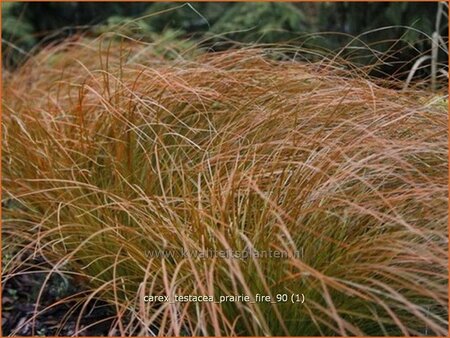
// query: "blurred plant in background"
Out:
[267,22]
[392,36]
[399,32]
[17,34]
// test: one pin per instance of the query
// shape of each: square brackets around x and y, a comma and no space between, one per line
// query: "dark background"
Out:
[408,27]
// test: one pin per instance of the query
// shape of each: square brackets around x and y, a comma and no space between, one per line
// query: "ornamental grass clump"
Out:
[140,174]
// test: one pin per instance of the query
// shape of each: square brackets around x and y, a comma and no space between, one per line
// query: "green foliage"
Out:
[124,25]
[166,44]
[187,18]
[263,22]
[17,34]
[357,18]
[13,28]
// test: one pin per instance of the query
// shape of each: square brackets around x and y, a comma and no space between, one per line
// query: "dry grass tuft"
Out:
[117,159]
